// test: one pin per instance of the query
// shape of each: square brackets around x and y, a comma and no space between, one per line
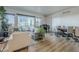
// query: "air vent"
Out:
[66,12]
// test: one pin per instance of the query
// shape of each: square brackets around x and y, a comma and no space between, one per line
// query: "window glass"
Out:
[10,19]
[30,23]
[22,23]
[25,22]
[38,21]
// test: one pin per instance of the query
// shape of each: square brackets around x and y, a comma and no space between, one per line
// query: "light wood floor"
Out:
[57,45]
[47,46]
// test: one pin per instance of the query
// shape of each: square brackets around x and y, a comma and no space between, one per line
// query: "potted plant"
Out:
[3,24]
[39,34]
[2,12]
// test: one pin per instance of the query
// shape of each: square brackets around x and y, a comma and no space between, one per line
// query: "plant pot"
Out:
[37,36]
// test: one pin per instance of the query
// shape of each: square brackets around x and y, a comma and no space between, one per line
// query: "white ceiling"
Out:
[43,10]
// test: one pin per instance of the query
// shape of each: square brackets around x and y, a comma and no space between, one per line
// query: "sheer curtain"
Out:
[72,20]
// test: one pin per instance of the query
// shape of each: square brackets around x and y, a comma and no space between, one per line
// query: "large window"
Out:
[70,20]
[10,19]
[25,22]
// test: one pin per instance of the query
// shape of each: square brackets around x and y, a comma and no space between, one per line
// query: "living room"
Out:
[40,29]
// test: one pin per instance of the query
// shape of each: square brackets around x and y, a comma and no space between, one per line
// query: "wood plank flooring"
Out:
[47,46]
[50,45]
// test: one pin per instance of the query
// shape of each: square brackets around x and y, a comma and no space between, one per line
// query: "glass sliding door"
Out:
[23,22]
